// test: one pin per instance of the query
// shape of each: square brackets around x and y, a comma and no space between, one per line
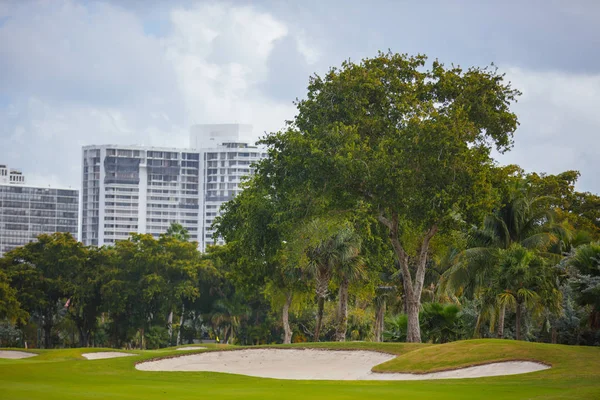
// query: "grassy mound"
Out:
[477,352]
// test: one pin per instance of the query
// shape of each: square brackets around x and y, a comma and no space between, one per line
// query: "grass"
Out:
[65,374]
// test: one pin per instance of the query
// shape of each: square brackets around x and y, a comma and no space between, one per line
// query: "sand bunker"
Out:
[319,365]
[192,348]
[14,355]
[106,354]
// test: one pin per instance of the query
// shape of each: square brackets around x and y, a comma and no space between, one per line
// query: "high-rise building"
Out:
[141,189]
[28,211]
[225,159]
[129,189]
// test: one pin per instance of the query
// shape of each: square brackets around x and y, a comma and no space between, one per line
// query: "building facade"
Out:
[222,169]
[140,189]
[28,211]
[134,189]
[11,176]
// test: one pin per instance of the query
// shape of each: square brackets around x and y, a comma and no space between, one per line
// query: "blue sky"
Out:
[74,73]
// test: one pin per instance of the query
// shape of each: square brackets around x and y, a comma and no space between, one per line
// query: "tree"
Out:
[182,268]
[10,307]
[178,232]
[585,279]
[349,269]
[42,271]
[524,281]
[135,287]
[85,304]
[523,220]
[257,225]
[411,143]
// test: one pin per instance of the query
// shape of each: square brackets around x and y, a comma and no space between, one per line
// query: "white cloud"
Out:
[220,53]
[560,124]
[81,75]
[311,53]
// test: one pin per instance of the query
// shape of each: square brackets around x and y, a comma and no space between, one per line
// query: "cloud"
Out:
[560,123]
[67,52]
[74,73]
[89,74]
[220,55]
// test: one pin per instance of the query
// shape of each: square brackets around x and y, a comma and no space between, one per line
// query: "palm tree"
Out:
[522,282]
[349,268]
[584,263]
[523,220]
[333,250]
[321,259]
[227,316]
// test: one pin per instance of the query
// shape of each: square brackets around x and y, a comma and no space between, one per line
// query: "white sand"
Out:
[14,355]
[320,365]
[106,354]
[192,348]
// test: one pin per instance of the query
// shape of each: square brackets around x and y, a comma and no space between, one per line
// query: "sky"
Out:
[81,72]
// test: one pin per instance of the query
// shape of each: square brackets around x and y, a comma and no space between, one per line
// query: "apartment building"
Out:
[226,158]
[28,211]
[139,189]
[142,189]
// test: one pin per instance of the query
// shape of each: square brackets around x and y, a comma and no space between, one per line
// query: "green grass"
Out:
[65,374]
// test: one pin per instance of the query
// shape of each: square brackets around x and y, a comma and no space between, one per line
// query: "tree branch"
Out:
[399,250]
[422,262]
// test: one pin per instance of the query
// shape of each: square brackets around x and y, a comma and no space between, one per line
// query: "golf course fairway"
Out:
[65,374]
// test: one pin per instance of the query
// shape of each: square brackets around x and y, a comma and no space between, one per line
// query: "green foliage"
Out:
[408,144]
[440,323]
[157,337]
[10,336]
[396,328]
[585,279]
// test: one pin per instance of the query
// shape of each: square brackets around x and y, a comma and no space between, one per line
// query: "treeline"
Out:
[530,270]
[378,214]
[143,292]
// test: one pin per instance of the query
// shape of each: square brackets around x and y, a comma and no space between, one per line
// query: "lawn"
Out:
[64,374]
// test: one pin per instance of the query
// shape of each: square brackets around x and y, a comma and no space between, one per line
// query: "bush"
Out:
[440,323]
[157,337]
[10,336]
[395,328]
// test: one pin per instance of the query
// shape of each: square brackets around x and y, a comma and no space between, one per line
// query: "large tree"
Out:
[42,273]
[412,143]
[257,225]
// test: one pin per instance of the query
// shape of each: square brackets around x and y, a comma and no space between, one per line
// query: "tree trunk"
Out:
[342,325]
[170,326]
[48,331]
[501,321]
[554,335]
[518,318]
[379,320]
[413,334]
[320,306]
[83,337]
[285,317]
[180,324]
[413,289]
